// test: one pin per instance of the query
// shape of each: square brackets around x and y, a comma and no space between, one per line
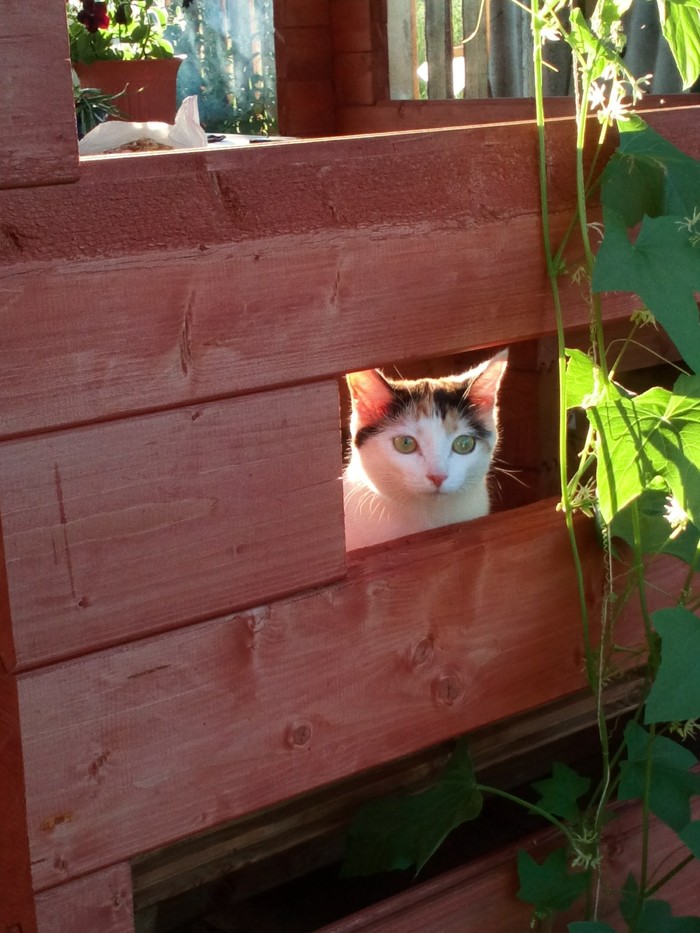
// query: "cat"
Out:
[420,451]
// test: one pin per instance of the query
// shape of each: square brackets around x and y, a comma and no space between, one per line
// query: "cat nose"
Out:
[437,479]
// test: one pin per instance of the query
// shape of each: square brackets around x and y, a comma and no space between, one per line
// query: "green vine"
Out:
[638,477]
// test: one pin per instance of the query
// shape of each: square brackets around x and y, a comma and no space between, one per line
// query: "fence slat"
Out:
[476,51]
[116,530]
[438,46]
[401,26]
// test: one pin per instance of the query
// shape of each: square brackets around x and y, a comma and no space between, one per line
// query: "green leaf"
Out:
[560,792]
[649,176]
[590,926]
[662,266]
[675,694]
[657,536]
[656,917]
[650,181]
[652,916]
[656,434]
[581,377]
[691,837]
[672,784]
[400,832]
[680,24]
[549,887]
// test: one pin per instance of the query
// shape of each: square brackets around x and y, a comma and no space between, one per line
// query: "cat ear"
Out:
[371,395]
[485,381]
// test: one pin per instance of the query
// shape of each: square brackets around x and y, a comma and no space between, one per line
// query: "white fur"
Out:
[389,494]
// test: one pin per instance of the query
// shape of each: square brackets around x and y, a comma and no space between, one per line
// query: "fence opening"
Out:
[445,49]
[230,64]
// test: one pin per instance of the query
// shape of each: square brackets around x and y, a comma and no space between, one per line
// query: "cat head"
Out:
[425,437]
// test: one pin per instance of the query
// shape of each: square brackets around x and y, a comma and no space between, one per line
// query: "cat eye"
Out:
[405,444]
[464,444]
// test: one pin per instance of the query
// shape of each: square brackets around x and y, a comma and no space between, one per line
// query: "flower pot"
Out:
[150,86]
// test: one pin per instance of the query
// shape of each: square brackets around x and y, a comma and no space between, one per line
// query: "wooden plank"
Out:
[16,903]
[425,639]
[401,41]
[121,529]
[390,116]
[475,19]
[353,77]
[39,144]
[351,25]
[320,236]
[482,895]
[438,48]
[97,903]
[518,749]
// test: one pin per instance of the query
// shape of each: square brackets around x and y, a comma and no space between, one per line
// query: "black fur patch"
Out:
[440,398]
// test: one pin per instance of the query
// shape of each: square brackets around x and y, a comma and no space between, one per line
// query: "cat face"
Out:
[427,437]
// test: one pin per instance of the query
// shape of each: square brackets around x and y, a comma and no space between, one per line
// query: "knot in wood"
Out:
[448,689]
[298,734]
[422,652]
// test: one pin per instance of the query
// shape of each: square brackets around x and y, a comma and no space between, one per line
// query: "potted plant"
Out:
[120,47]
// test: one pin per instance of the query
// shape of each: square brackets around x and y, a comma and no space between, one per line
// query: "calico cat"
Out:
[421,451]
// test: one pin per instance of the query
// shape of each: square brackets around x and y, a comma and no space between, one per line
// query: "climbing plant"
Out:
[637,476]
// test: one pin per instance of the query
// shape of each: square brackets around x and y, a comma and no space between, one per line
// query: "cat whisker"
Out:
[512,473]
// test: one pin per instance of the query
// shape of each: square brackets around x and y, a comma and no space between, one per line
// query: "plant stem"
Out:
[552,274]
[671,873]
[641,585]
[644,868]
[531,807]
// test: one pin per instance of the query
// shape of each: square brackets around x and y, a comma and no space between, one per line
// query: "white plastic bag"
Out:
[185,133]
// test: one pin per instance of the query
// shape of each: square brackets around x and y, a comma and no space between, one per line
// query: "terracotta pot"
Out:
[150,86]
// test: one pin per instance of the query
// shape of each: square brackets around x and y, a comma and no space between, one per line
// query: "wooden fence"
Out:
[184,639]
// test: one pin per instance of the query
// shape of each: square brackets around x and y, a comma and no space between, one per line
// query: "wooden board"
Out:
[97,903]
[193,324]
[16,902]
[126,528]
[395,116]
[314,245]
[425,639]
[39,143]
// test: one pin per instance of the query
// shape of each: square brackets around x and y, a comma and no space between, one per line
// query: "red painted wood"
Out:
[38,143]
[304,69]
[425,639]
[347,302]
[352,25]
[97,903]
[301,13]
[318,235]
[16,902]
[121,529]
[354,79]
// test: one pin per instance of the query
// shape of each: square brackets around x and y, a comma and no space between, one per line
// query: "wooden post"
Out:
[475,19]
[438,44]
[401,28]
[39,142]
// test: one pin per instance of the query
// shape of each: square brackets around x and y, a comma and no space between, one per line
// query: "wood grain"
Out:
[313,244]
[97,903]
[39,143]
[121,529]
[325,305]
[425,639]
